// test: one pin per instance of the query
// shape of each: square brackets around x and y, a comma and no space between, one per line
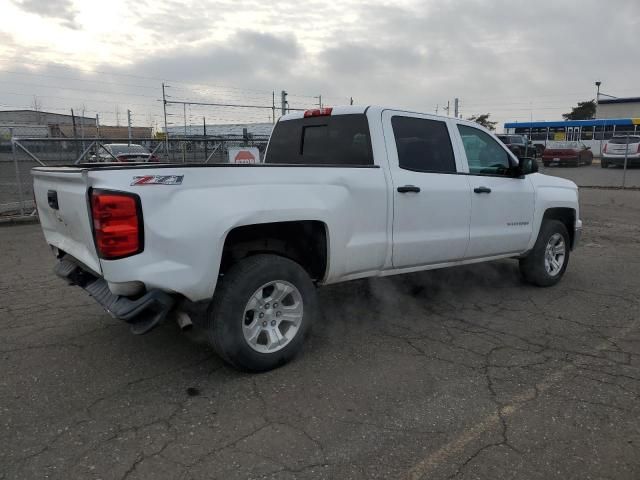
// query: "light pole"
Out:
[598,83]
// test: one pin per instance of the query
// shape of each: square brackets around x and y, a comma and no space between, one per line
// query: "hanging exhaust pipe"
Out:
[184,321]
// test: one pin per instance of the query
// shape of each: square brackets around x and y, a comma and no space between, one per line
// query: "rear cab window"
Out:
[340,140]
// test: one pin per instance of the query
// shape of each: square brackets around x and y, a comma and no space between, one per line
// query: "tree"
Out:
[483,120]
[584,111]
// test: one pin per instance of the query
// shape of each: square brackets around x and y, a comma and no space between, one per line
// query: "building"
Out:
[618,108]
[35,117]
[33,123]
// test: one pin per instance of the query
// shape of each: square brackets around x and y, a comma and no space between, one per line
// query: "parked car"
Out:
[567,153]
[344,193]
[520,145]
[614,151]
[123,152]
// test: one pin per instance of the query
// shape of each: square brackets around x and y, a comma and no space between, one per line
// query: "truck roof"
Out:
[355,109]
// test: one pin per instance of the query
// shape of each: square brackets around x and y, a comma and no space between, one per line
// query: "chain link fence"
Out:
[20,153]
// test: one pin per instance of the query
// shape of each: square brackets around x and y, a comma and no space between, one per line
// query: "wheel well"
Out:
[564,215]
[304,242]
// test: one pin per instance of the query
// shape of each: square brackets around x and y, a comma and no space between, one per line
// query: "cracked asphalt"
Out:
[464,373]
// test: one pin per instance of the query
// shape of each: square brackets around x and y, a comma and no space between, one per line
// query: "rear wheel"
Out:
[546,263]
[261,313]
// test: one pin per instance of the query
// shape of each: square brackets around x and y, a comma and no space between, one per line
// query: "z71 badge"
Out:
[158,180]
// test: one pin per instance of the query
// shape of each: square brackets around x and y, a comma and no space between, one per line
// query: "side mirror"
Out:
[528,165]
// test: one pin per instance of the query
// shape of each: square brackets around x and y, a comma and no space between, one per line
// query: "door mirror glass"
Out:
[528,165]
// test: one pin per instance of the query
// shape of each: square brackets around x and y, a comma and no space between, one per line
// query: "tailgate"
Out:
[62,202]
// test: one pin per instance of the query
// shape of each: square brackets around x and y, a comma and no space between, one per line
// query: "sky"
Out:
[516,59]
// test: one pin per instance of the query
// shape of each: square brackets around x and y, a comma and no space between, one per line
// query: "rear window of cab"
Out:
[325,140]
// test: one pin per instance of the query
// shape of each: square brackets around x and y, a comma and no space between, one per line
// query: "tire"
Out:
[228,317]
[604,164]
[533,267]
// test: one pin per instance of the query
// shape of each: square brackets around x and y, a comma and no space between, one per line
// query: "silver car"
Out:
[615,149]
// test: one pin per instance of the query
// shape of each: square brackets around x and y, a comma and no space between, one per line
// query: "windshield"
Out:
[124,149]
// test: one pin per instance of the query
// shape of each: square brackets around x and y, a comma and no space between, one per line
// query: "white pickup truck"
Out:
[344,193]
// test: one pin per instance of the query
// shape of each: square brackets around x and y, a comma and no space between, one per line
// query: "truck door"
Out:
[431,202]
[501,205]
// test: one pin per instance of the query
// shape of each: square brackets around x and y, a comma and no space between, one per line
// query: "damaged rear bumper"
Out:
[142,313]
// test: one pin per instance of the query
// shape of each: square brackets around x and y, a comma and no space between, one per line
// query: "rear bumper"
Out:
[619,159]
[142,313]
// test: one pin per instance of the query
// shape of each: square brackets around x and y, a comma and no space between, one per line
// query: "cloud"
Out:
[62,10]
[514,58]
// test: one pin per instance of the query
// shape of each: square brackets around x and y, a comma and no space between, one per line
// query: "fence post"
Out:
[626,155]
[18,180]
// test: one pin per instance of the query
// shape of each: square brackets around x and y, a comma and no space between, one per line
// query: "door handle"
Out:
[482,190]
[408,189]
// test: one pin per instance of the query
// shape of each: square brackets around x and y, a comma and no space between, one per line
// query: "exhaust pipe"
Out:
[184,321]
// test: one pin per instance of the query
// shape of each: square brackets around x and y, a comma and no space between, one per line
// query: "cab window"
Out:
[423,145]
[484,153]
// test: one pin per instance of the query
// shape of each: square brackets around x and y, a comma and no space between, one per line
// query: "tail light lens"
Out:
[153,158]
[605,148]
[117,224]
[121,158]
[638,151]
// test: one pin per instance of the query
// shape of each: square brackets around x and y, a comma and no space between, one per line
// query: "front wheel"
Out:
[547,261]
[261,312]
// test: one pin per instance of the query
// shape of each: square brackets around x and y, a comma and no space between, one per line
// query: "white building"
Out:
[618,108]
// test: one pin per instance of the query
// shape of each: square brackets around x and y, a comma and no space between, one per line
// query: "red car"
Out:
[567,153]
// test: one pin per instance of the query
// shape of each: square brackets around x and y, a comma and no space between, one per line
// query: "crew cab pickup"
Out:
[344,193]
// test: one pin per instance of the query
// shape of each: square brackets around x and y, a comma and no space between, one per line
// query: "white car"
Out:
[616,149]
[123,152]
[344,193]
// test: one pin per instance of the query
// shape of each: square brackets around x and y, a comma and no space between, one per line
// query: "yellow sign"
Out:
[559,136]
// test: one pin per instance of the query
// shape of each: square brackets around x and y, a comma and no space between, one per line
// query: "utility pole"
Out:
[273,106]
[82,128]
[437,106]
[455,107]
[446,108]
[350,100]
[97,126]
[283,99]
[166,130]
[598,83]
[129,124]
[184,143]
[204,131]
[319,97]
[75,133]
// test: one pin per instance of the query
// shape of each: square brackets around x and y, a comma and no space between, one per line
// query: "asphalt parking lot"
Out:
[464,373]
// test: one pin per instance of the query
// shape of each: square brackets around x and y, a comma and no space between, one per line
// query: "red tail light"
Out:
[318,112]
[121,158]
[117,224]
[638,151]
[153,158]
[605,148]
